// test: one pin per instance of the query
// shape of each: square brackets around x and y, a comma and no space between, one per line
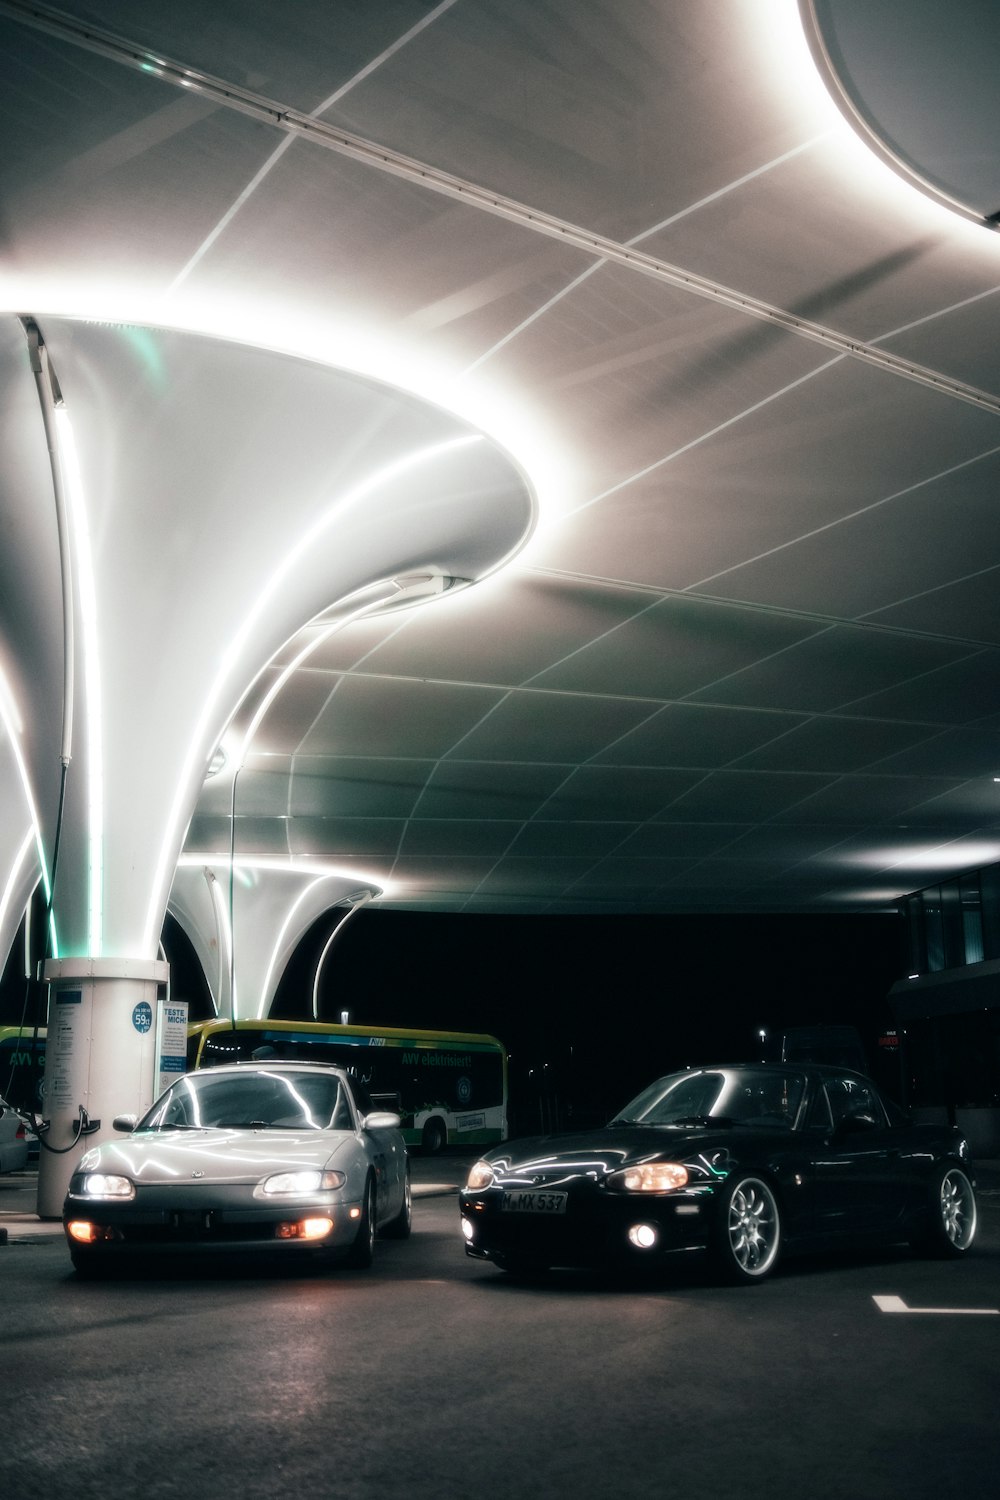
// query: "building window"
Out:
[933,923]
[972,919]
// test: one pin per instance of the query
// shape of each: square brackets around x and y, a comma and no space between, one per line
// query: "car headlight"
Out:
[103,1185]
[649,1177]
[309,1180]
[481,1175]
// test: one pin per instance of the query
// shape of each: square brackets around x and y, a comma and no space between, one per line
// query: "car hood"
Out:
[215,1155]
[598,1152]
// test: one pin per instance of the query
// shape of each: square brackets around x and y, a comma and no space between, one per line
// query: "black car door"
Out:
[856,1170]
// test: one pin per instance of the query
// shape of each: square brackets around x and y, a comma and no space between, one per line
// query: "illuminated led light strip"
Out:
[402,592]
[222,922]
[322,634]
[296,122]
[355,907]
[831,80]
[197,750]
[10,714]
[356,900]
[292,864]
[272,961]
[10,717]
[15,870]
[87,602]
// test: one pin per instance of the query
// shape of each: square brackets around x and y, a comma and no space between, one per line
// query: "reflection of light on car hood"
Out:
[603,1152]
[223,1156]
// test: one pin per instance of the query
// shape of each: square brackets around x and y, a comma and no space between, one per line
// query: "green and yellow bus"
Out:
[22,1067]
[448,1087]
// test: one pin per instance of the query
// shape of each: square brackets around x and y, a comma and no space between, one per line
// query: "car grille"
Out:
[189,1225]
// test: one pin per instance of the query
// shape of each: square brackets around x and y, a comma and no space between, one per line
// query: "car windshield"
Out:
[261,1100]
[743,1096]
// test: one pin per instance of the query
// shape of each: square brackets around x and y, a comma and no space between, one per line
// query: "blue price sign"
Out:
[142,1016]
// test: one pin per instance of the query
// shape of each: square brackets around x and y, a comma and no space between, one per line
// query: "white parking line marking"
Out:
[897,1305]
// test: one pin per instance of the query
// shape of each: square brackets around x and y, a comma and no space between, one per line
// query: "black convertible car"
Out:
[744,1162]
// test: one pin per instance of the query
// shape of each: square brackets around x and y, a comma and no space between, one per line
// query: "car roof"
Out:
[823,1070]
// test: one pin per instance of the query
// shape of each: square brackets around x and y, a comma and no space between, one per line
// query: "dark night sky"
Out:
[631,996]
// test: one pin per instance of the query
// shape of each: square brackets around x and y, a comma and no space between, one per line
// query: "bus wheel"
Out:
[435,1136]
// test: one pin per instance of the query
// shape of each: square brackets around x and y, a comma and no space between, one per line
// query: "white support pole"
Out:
[100,1059]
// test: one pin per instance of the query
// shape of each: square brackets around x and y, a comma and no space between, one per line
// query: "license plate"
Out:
[192,1224]
[533,1201]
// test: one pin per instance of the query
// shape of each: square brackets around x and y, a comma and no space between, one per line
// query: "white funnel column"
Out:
[219,498]
[273,906]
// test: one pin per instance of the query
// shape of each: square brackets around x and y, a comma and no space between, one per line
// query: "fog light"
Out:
[643,1236]
[304,1229]
[314,1229]
[467,1229]
[86,1233]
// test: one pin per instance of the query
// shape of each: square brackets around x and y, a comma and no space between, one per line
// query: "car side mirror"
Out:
[380,1119]
[125,1123]
[857,1120]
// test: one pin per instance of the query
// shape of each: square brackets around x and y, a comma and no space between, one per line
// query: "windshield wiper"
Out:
[704,1120]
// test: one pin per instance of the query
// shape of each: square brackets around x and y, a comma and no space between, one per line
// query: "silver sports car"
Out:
[287,1158]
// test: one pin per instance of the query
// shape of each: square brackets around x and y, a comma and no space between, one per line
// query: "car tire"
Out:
[949,1228]
[362,1252]
[746,1242]
[434,1136]
[399,1227]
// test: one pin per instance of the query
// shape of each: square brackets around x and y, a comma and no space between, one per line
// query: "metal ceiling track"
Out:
[320,133]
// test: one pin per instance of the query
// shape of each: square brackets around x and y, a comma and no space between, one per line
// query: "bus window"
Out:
[447,1087]
[22,1067]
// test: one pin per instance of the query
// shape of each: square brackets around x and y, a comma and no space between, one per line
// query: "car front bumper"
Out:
[593,1230]
[208,1221]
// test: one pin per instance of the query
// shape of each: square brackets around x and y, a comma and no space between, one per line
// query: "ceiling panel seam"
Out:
[855,515]
[927,593]
[779,611]
[384,159]
[836,712]
[674,218]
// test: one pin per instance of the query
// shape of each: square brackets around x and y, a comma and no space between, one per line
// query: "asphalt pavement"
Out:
[868,1375]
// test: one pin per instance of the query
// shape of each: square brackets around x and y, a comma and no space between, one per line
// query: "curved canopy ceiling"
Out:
[751,658]
[919,81]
